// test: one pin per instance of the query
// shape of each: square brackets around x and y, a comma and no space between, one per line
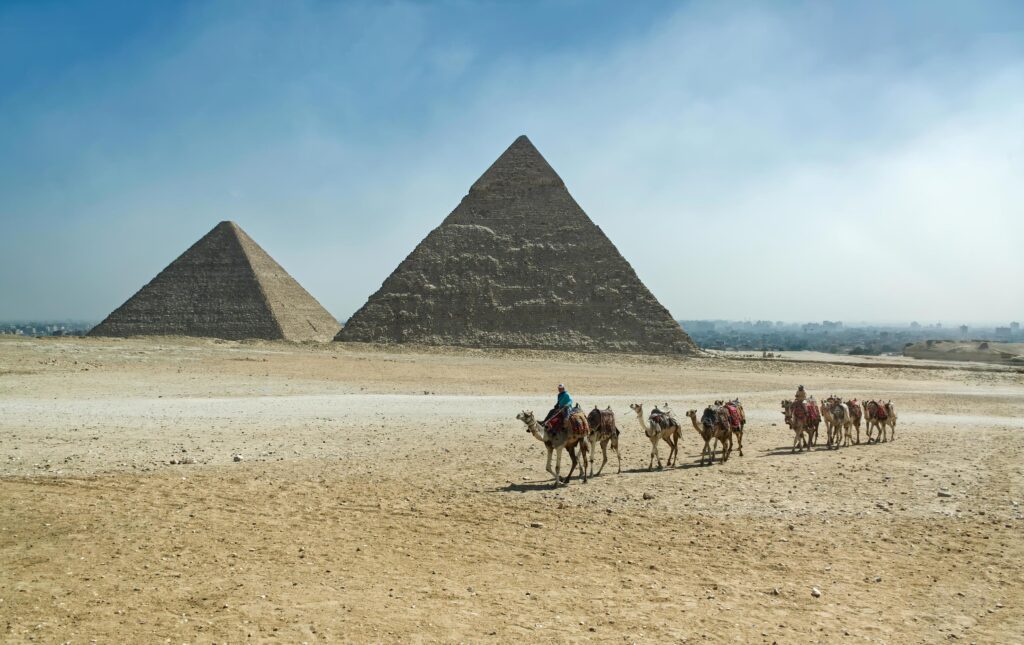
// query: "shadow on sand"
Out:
[781,451]
[548,484]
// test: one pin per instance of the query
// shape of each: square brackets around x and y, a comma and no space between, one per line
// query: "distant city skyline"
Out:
[801,162]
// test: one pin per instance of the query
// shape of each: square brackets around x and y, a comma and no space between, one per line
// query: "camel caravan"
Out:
[842,418]
[720,427]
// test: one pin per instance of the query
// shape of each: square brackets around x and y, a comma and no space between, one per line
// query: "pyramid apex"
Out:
[521,164]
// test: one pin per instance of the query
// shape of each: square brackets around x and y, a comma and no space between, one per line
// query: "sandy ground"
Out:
[391,496]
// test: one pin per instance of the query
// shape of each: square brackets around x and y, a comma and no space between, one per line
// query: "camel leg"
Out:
[654,454]
[548,467]
[584,450]
[671,452]
[618,455]
[575,462]
[604,458]
[739,436]
[558,468]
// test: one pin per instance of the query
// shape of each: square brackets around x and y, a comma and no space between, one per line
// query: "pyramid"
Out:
[224,286]
[518,264]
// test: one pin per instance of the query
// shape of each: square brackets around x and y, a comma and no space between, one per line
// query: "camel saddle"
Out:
[662,419]
[880,412]
[601,418]
[806,411]
[555,421]
[577,424]
[709,417]
[854,408]
[734,415]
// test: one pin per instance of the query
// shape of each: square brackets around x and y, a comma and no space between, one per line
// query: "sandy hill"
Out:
[968,350]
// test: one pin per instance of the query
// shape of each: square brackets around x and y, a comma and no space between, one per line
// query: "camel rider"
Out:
[801,393]
[563,402]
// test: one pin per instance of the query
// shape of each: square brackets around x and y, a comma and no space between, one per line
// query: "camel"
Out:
[810,424]
[880,415]
[836,426]
[855,416]
[556,441]
[826,416]
[710,430]
[841,421]
[737,431]
[669,432]
[800,427]
[604,431]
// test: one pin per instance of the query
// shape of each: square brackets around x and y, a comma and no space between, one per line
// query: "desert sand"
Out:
[390,495]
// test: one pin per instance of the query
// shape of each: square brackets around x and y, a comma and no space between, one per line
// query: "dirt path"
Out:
[366,510]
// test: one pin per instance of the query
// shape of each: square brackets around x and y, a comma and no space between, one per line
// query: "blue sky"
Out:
[870,153]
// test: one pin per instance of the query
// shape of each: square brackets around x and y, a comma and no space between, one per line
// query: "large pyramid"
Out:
[518,264]
[224,286]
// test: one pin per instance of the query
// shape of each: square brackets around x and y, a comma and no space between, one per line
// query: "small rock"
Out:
[815,592]
[878,578]
[945,493]
[536,525]
[236,457]
[775,591]
[648,495]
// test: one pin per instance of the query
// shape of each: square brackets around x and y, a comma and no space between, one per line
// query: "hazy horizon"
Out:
[870,154]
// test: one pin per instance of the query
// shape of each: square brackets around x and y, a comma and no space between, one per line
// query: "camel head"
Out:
[527,418]
[692,414]
[638,408]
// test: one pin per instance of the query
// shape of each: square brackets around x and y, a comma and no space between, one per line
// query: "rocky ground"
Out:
[390,495]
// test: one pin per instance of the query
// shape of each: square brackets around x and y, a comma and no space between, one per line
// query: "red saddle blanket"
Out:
[806,410]
[555,421]
[880,412]
[734,415]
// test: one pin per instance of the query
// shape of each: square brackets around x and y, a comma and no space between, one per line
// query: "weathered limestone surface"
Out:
[224,286]
[518,264]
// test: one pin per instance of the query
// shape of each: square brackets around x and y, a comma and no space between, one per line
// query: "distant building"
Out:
[963,331]
[1003,333]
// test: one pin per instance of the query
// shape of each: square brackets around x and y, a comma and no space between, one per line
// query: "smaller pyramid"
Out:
[224,286]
